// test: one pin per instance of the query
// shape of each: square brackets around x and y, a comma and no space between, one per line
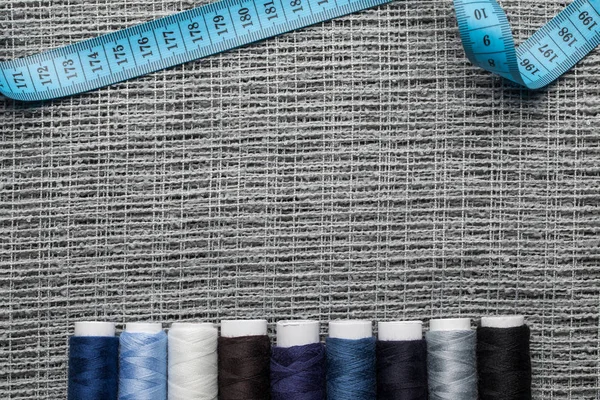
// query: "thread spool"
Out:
[503,358]
[297,333]
[298,362]
[401,361]
[351,369]
[93,362]
[451,359]
[143,362]
[192,361]
[244,360]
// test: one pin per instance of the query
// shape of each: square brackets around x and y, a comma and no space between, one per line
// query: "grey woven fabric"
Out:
[359,168]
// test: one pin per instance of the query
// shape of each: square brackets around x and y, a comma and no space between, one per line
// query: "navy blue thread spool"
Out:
[93,362]
[298,362]
[351,366]
[401,361]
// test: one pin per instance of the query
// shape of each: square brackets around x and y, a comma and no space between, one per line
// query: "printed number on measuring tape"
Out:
[228,24]
[549,53]
[163,43]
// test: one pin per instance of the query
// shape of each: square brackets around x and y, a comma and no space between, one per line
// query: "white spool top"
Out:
[507,321]
[191,325]
[350,329]
[143,327]
[297,333]
[94,328]
[400,330]
[243,327]
[450,324]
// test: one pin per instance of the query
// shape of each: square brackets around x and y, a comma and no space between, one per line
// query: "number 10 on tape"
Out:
[550,52]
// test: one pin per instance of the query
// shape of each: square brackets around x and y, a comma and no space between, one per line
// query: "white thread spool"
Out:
[400,331]
[352,329]
[450,324]
[297,333]
[503,322]
[243,327]
[94,328]
[193,361]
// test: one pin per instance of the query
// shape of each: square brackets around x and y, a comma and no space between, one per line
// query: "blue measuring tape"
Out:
[228,24]
[163,43]
[549,53]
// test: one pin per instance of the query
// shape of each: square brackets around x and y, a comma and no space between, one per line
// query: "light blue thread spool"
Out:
[143,362]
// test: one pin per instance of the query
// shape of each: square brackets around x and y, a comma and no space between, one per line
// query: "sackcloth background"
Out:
[359,168]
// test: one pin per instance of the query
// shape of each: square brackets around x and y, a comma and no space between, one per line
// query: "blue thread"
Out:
[351,369]
[143,366]
[93,368]
[298,373]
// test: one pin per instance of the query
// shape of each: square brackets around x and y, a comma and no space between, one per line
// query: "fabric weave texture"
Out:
[360,168]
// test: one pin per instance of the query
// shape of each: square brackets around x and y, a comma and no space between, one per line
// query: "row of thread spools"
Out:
[192,362]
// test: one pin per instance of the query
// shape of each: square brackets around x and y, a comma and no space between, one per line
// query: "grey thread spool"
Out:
[452,360]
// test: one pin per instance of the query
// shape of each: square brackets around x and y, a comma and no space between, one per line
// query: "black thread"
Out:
[504,363]
[402,370]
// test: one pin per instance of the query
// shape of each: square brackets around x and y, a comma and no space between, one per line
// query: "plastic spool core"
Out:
[190,325]
[297,333]
[95,328]
[243,327]
[143,327]
[508,321]
[350,329]
[400,330]
[450,324]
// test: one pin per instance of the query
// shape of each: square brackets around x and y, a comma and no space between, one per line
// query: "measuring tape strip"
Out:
[228,24]
[550,52]
[163,43]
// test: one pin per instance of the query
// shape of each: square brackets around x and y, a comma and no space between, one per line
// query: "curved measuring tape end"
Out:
[549,53]
[163,43]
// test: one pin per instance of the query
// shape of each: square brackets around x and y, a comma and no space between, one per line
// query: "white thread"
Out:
[193,359]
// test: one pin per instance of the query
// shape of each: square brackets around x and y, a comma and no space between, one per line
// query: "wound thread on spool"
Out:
[298,362]
[93,362]
[192,362]
[244,360]
[401,361]
[504,359]
[298,372]
[351,367]
[451,360]
[143,362]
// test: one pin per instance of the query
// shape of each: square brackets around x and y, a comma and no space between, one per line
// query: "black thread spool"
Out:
[244,360]
[401,361]
[504,359]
